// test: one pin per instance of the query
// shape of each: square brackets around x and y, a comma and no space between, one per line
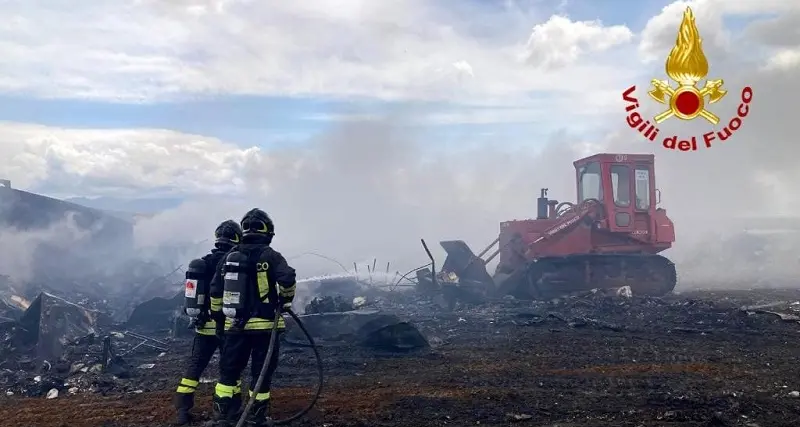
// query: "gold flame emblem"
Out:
[687,65]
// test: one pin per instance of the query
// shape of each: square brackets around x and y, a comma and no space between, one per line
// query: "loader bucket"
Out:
[470,269]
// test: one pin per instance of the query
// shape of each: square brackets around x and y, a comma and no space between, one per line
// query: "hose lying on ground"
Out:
[263,374]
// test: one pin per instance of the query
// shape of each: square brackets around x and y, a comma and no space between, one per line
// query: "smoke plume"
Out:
[20,249]
[371,189]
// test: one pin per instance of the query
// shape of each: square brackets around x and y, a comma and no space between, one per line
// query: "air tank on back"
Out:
[234,297]
[196,288]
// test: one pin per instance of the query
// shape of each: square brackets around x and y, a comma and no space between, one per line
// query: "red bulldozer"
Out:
[609,238]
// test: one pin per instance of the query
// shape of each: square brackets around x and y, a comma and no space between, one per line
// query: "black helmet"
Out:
[257,222]
[228,233]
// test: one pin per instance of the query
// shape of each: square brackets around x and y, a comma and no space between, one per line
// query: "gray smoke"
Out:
[372,188]
[19,248]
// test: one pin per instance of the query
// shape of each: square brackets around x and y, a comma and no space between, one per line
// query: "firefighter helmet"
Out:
[228,233]
[257,221]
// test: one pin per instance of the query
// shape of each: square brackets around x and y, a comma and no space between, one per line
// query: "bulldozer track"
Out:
[645,274]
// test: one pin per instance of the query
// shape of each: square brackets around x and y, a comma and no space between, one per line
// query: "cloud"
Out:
[560,41]
[785,59]
[109,162]
[658,35]
[388,49]
[780,31]
[488,115]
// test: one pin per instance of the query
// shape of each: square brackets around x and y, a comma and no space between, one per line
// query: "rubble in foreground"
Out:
[699,359]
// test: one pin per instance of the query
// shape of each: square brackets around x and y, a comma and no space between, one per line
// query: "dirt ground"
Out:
[688,360]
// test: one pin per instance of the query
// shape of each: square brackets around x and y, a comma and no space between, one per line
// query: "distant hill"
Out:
[26,211]
[118,205]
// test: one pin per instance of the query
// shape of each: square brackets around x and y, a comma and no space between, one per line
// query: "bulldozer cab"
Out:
[624,184]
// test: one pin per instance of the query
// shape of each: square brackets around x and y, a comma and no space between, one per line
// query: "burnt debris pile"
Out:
[54,344]
[329,304]
[369,328]
[50,323]
[159,314]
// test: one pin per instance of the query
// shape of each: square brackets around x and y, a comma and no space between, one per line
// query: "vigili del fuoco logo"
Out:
[686,65]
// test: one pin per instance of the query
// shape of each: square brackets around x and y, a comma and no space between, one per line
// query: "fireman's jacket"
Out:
[270,288]
[207,323]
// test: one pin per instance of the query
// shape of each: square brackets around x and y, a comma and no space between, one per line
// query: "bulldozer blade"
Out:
[470,269]
[508,283]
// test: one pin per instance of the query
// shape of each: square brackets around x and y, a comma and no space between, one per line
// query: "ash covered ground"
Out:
[702,358]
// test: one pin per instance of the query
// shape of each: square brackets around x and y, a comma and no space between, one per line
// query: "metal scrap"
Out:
[146,342]
[789,311]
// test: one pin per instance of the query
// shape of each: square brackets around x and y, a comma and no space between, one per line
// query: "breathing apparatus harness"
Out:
[263,374]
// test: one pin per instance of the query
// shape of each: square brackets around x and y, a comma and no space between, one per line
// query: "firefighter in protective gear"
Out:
[205,307]
[257,282]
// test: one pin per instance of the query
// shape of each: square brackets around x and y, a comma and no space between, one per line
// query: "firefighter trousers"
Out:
[203,349]
[238,349]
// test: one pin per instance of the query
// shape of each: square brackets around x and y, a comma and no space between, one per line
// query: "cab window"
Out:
[590,184]
[621,185]
[642,183]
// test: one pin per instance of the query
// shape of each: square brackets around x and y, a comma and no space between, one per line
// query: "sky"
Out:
[362,126]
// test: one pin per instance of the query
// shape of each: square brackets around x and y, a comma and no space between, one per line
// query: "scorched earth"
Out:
[694,359]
